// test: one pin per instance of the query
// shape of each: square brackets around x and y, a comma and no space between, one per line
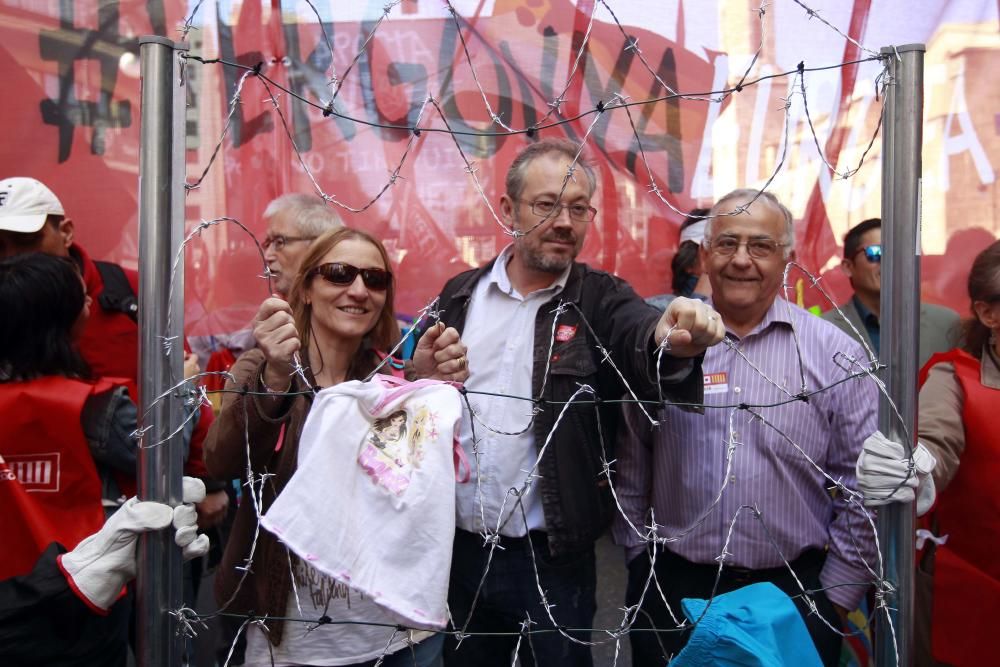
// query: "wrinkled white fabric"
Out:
[372,502]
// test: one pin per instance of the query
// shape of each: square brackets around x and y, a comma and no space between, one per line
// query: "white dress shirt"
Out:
[499,333]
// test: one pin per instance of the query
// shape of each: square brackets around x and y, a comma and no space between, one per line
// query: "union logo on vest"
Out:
[36,472]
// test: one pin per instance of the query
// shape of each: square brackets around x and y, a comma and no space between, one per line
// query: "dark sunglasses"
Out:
[338,273]
[873,253]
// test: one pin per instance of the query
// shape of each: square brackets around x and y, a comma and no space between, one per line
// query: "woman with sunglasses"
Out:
[339,323]
[959,399]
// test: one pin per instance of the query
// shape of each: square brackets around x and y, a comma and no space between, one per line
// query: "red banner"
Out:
[73,123]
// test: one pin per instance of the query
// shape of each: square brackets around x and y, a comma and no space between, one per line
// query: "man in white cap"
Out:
[32,219]
[25,207]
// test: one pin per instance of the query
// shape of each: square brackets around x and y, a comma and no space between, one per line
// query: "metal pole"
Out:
[902,141]
[158,583]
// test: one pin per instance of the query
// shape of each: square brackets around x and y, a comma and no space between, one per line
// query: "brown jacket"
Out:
[251,420]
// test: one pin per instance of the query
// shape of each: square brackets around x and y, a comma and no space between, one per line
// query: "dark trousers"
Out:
[509,595]
[680,578]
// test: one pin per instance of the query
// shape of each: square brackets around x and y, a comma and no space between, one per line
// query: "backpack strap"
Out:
[118,295]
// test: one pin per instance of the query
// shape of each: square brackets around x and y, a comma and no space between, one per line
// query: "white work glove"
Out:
[103,563]
[885,476]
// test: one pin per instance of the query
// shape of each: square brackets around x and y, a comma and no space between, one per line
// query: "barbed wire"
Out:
[649,533]
[512,504]
[616,102]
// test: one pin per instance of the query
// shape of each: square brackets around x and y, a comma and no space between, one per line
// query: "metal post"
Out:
[158,586]
[902,141]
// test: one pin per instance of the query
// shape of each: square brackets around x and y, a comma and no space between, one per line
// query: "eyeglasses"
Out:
[873,253]
[545,208]
[279,242]
[339,273]
[757,248]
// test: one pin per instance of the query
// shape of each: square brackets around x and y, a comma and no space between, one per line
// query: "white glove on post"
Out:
[103,563]
[885,476]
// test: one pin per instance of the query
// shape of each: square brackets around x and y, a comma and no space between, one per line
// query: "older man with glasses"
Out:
[858,317]
[739,495]
[293,221]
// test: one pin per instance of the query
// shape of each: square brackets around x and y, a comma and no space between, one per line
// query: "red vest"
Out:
[49,487]
[110,345]
[110,341]
[966,569]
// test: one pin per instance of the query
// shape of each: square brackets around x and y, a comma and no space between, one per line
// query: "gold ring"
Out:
[461,362]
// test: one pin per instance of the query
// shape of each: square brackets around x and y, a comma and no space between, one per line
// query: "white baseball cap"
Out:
[25,203]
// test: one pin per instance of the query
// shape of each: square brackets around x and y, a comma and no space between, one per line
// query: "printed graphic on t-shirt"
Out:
[323,590]
[394,447]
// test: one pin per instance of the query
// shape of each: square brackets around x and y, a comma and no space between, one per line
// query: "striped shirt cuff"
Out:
[845,584]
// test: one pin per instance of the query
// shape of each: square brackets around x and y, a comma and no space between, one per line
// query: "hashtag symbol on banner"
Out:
[69,44]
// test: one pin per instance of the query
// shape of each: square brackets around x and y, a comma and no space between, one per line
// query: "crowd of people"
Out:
[709,430]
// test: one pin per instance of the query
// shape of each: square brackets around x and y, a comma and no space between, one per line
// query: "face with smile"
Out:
[346,312]
[744,287]
[548,247]
[865,276]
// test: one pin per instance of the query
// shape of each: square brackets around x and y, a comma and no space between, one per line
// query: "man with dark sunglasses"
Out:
[863,265]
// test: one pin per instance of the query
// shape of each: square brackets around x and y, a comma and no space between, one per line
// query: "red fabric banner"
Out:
[73,123]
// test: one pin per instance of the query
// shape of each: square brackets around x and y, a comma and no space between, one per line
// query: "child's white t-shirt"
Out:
[372,503]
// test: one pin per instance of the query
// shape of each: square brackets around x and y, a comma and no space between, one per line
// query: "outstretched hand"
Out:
[695,327]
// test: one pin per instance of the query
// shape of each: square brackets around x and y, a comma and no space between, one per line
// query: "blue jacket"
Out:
[753,626]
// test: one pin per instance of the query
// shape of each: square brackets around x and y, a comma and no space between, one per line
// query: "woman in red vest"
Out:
[959,400]
[63,434]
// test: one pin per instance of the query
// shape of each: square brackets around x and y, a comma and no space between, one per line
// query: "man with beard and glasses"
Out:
[537,324]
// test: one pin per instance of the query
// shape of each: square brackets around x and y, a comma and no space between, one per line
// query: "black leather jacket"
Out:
[576,498]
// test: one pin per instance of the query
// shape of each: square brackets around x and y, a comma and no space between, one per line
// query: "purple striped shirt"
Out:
[678,468]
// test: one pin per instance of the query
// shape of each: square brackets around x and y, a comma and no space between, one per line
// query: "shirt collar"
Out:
[863,311]
[778,313]
[990,368]
[499,277]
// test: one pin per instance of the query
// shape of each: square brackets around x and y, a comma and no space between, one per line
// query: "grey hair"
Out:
[515,174]
[748,194]
[311,213]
